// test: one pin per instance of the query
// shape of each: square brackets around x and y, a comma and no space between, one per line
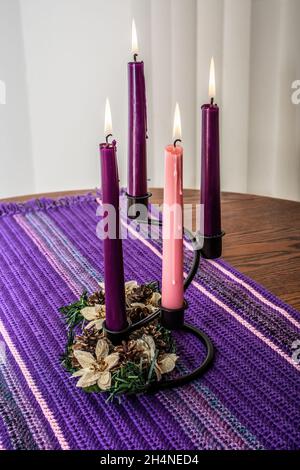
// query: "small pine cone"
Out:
[140,294]
[121,348]
[87,340]
[136,314]
[139,333]
[83,346]
[132,356]
[157,336]
[152,331]
[74,361]
[127,351]
[96,298]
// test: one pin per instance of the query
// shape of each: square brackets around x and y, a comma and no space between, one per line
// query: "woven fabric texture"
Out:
[249,399]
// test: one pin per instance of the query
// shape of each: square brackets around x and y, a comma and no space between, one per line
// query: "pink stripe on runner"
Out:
[35,391]
[255,293]
[246,325]
[45,251]
[140,237]
[251,289]
[223,306]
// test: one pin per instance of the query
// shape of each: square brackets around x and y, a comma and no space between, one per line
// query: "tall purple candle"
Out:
[112,244]
[137,108]
[210,175]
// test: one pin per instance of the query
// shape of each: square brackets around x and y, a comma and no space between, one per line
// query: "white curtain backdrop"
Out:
[61,58]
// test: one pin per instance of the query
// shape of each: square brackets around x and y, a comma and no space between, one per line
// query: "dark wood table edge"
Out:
[74,192]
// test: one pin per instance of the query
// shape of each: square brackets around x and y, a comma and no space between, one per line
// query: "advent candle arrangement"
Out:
[210,174]
[123,358]
[172,225]
[112,244]
[172,266]
[137,130]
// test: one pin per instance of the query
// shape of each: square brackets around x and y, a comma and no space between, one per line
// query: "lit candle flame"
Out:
[177,123]
[107,120]
[134,41]
[212,80]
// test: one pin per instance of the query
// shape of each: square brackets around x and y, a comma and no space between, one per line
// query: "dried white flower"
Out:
[142,306]
[96,370]
[165,364]
[95,315]
[146,346]
[130,286]
[155,298]
[138,304]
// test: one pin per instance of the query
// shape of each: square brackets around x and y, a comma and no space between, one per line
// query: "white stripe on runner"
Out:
[34,389]
[222,305]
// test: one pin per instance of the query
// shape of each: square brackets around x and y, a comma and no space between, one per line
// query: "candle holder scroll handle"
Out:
[174,320]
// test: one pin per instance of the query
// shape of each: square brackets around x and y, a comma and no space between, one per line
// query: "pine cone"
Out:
[136,314]
[87,341]
[151,330]
[96,298]
[140,294]
[127,351]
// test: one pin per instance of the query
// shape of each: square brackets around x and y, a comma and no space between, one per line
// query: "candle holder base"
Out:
[197,371]
[116,337]
[173,319]
[212,246]
[137,206]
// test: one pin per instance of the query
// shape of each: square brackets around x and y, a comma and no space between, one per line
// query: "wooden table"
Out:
[262,238]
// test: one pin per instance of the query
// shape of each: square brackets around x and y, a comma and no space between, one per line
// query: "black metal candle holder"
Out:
[137,209]
[212,246]
[172,319]
[134,204]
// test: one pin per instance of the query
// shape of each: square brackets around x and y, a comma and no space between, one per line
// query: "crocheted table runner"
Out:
[249,399]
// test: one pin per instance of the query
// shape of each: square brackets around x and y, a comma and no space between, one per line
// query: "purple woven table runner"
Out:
[249,399]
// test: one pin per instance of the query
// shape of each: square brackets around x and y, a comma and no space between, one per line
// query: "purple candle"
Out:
[137,150]
[112,244]
[210,174]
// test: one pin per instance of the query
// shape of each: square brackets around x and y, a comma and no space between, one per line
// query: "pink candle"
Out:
[172,266]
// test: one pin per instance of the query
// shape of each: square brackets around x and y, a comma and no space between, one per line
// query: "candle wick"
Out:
[212,100]
[135,57]
[175,142]
[107,137]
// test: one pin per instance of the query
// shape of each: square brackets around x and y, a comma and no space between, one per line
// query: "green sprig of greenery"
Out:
[73,317]
[131,378]
[72,312]
[153,285]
